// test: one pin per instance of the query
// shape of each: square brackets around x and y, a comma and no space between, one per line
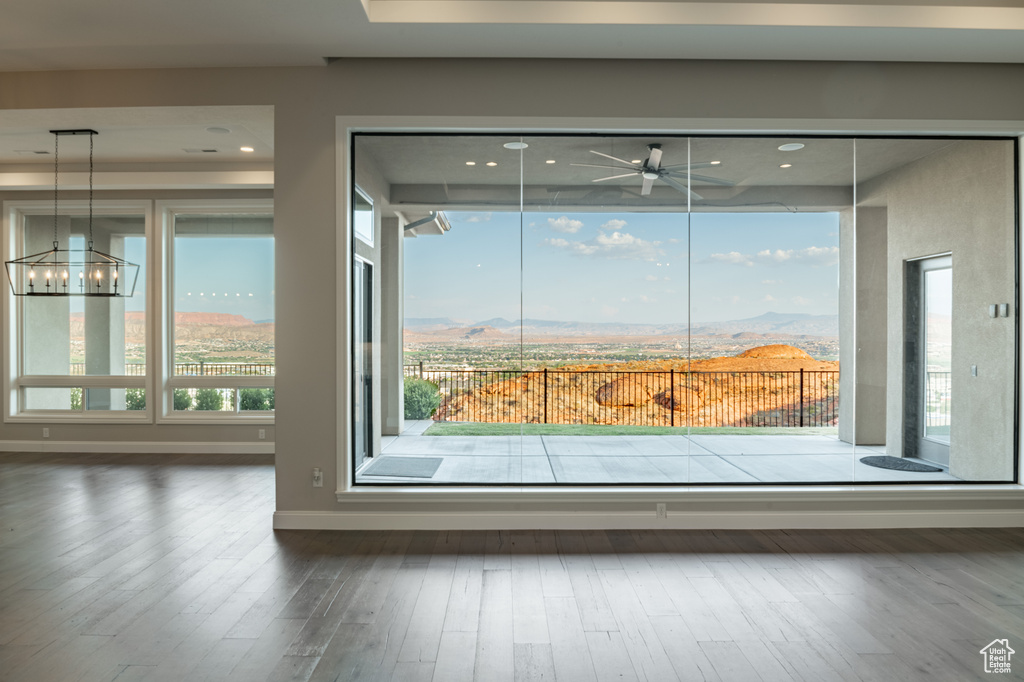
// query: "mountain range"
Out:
[768,324]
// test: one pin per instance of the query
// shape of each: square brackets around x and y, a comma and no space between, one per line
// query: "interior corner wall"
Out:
[862,326]
[957,201]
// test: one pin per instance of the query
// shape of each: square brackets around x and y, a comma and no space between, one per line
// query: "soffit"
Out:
[105,34]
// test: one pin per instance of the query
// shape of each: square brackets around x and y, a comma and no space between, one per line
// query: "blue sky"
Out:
[625,267]
[225,275]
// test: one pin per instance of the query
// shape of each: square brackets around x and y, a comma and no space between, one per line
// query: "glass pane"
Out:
[938,329]
[605,308]
[223,295]
[37,398]
[86,336]
[204,399]
[131,399]
[935,267]
[765,305]
[449,313]
[255,400]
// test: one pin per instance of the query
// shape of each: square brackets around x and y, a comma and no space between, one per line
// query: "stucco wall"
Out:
[958,200]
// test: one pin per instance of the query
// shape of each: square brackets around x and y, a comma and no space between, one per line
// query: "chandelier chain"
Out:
[91,137]
[56,170]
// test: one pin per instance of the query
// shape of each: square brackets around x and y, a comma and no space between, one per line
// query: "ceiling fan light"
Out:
[650,175]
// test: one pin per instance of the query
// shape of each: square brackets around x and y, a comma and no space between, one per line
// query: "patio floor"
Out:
[726,459]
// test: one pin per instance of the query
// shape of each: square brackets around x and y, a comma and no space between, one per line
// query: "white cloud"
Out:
[652,278]
[614,224]
[768,298]
[565,224]
[800,300]
[617,245]
[733,258]
[478,218]
[818,256]
[609,311]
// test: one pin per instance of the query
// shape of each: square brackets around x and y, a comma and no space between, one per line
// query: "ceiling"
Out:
[430,172]
[140,138]
[104,34]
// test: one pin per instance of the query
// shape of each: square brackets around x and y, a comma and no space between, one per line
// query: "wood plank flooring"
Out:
[165,568]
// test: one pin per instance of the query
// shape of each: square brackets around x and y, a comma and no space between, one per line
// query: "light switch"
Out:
[974,370]
[992,311]
[1004,309]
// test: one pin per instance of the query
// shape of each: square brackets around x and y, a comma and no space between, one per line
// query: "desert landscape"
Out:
[771,385]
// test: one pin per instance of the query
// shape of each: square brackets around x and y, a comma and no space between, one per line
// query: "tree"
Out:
[182,400]
[135,398]
[254,399]
[421,398]
[209,399]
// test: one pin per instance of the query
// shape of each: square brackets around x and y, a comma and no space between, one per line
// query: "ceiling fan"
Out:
[651,169]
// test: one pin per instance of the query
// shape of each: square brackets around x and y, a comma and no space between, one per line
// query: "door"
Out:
[362,360]
[936,359]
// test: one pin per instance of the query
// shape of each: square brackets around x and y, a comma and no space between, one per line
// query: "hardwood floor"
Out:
[138,567]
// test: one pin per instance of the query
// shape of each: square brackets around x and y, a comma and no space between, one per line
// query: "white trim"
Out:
[708,520]
[142,180]
[138,447]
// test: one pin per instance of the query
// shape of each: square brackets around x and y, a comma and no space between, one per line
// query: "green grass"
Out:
[482,429]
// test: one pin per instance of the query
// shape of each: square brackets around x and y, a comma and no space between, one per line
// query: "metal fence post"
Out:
[421,369]
[801,396]
[672,397]
[545,395]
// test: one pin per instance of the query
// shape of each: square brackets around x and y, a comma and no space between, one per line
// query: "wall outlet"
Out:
[662,511]
[318,478]
[46,432]
[263,434]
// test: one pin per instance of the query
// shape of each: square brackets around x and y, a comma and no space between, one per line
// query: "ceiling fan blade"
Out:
[609,156]
[701,178]
[646,189]
[654,161]
[695,164]
[615,177]
[594,165]
[680,186]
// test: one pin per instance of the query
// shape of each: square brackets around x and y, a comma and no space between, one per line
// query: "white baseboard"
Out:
[138,447]
[713,520]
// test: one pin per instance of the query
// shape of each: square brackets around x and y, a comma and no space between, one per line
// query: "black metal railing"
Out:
[644,398]
[197,369]
[938,399]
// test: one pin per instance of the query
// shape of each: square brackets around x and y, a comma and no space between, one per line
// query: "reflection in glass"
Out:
[938,329]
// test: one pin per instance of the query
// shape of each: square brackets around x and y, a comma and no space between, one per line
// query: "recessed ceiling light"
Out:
[715,163]
[786,165]
[637,161]
[41,152]
[515,145]
[471,163]
[790,147]
[492,163]
[216,130]
[550,161]
[246,149]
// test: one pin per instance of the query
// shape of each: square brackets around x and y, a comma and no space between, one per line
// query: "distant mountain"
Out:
[429,324]
[768,325]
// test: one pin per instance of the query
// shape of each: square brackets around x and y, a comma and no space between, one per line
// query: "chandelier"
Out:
[66,272]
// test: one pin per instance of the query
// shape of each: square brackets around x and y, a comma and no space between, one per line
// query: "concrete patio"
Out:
[724,459]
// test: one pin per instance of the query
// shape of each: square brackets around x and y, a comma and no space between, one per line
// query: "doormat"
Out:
[413,467]
[889,462]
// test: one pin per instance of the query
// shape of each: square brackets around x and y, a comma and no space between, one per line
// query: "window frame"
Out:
[166,212]
[16,380]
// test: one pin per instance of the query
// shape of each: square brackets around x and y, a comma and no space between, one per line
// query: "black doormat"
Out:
[412,467]
[889,462]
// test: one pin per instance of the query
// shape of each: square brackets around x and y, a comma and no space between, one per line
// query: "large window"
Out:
[80,355]
[221,320]
[194,342]
[664,310]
